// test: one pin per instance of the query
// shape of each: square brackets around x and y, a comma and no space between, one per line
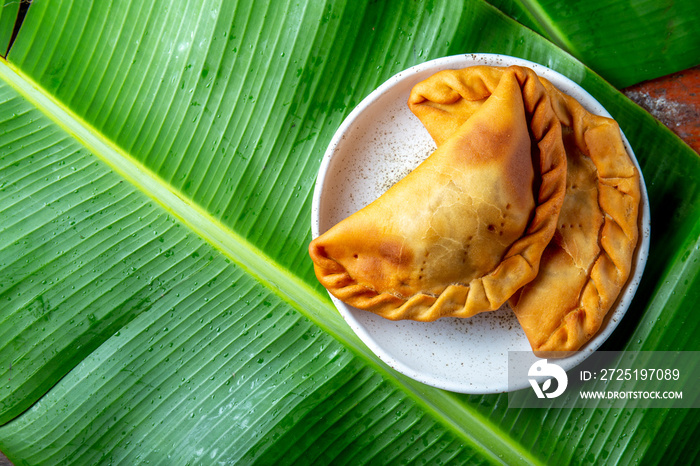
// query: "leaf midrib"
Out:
[459,418]
[539,15]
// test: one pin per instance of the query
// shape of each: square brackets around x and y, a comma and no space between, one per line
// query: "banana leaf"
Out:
[157,304]
[651,38]
[9,15]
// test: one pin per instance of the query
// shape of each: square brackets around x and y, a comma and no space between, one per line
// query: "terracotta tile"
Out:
[675,101]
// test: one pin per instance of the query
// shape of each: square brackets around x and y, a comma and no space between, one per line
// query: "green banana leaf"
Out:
[625,42]
[9,13]
[157,303]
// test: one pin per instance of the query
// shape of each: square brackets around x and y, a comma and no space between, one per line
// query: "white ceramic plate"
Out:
[379,143]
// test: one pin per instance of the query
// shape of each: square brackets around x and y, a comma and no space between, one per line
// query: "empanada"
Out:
[588,262]
[466,229]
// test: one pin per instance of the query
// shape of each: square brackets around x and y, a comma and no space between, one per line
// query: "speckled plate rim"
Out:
[413,75]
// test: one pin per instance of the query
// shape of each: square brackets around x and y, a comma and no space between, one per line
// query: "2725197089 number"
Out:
[639,374]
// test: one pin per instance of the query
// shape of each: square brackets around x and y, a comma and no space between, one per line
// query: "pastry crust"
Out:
[588,263]
[466,229]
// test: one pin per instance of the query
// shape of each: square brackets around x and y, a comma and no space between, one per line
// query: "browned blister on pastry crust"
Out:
[588,262]
[466,229]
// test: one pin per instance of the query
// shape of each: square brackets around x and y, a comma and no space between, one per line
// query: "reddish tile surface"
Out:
[675,101]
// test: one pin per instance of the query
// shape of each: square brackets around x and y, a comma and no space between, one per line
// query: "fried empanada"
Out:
[466,229]
[588,262]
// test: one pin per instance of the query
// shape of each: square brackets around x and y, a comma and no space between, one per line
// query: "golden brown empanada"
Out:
[588,262]
[466,229]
